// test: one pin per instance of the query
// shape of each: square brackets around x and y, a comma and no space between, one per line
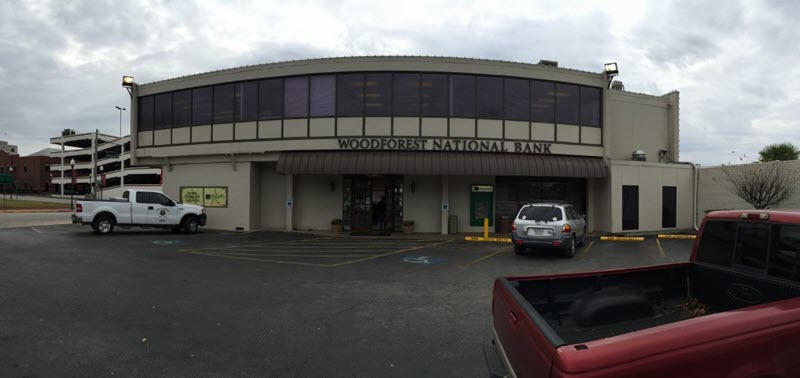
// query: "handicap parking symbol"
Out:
[424,260]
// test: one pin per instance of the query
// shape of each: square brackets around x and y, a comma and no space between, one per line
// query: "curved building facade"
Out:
[375,141]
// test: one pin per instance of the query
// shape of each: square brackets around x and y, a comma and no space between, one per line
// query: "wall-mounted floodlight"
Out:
[610,70]
[127,81]
[638,155]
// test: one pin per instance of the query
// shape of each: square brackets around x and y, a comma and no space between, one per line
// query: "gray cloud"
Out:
[734,62]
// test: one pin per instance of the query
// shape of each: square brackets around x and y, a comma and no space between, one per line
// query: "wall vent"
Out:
[617,85]
[548,63]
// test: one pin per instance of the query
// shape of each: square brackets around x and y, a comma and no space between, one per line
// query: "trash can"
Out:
[504,225]
[452,224]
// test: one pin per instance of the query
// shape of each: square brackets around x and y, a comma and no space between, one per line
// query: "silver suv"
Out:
[548,224]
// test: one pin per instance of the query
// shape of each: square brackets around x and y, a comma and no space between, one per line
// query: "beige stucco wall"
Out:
[314,203]
[237,214]
[423,206]
[599,215]
[712,195]
[636,122]
[273,197]
[650,177]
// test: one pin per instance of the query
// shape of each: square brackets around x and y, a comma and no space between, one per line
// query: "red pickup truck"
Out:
[731,311]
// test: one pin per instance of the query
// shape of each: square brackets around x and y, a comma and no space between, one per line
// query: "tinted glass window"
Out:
[350,95]
[543,102]
[567,104]
[160,199]
[751,246]
[462,96]
[201,106]
[295,97]
[270,99]
[783,262]
[143,197]
[517,99]
[717,243]
[247,101]
[126,195]
[323,96]
[182,108]
[223,103]
[490,97]
[146,113]
[590,106]
[406,95]
[541,213]
[163,111]
[378,94]
[434,95]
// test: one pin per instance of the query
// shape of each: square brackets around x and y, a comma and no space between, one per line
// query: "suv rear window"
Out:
[541,213]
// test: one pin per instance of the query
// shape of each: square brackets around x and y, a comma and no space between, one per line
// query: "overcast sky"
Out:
[734,62]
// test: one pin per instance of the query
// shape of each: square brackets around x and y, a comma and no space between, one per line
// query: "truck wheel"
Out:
[518,249]
[190,225]
[570,251]
[103,225]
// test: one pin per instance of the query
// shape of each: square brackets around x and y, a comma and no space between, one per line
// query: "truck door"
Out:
[139,208]
[162,211]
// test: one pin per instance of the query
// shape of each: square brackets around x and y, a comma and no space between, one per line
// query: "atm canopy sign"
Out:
[463,145]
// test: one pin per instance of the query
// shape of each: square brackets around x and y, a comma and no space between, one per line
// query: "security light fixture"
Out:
[72,163]
[638,155]
[101,169]
[611,69]
[127,81]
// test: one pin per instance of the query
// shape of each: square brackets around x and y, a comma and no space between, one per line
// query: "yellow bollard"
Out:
[485,227]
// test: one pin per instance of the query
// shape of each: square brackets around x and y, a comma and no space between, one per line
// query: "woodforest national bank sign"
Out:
[464,145]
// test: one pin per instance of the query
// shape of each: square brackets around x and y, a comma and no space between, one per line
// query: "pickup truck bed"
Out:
[589,307]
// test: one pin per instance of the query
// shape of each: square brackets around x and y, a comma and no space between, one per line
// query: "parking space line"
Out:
[289,255]
[264,260]
[501,250]
[392,253]
[585,250]
[660,250]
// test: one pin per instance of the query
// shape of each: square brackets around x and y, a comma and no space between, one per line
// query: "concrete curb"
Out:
[36,211]
[622,238]
[668,236]
[482,239]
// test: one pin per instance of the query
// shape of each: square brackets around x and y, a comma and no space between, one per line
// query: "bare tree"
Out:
[762,185]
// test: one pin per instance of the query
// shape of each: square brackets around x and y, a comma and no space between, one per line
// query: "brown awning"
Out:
[438,163]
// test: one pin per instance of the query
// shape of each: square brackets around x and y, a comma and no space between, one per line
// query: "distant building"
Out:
[30,174]
[96,155]
[9,149]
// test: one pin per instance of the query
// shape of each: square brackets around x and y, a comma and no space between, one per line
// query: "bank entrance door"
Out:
[372,203]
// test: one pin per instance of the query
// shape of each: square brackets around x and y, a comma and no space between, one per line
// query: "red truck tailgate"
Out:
[740,343]
[525,346]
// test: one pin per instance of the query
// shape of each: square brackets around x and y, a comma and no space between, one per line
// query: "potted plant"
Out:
[408,226]
[336,225]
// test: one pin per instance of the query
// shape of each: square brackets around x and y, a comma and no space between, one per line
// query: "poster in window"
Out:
[192,196]
[215,197]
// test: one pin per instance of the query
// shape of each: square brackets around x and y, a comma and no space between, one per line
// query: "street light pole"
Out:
[101,182]
[121,152]
[72,192]
[120,120]
[11,170]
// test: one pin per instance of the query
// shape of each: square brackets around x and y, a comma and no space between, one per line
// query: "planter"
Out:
[408,229]
[337,228]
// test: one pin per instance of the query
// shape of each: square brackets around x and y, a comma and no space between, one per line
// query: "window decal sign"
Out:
[207,196]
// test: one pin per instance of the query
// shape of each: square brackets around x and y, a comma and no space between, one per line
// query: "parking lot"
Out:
[263,303]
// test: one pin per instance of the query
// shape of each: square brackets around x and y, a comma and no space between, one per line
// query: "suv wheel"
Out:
[103,225]
[570,251]
[583,239]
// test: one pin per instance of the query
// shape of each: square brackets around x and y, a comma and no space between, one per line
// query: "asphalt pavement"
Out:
[154,303]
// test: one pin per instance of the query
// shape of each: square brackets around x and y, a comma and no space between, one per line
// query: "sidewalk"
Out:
[27,197]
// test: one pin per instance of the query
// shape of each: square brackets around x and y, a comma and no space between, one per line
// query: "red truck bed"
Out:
[704,318]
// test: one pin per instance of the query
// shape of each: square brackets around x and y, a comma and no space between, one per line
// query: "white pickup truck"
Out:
[139,208]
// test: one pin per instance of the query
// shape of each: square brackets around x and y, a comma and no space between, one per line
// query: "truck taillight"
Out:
[756,216]
[513,226]
[567,228]
[78,208]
